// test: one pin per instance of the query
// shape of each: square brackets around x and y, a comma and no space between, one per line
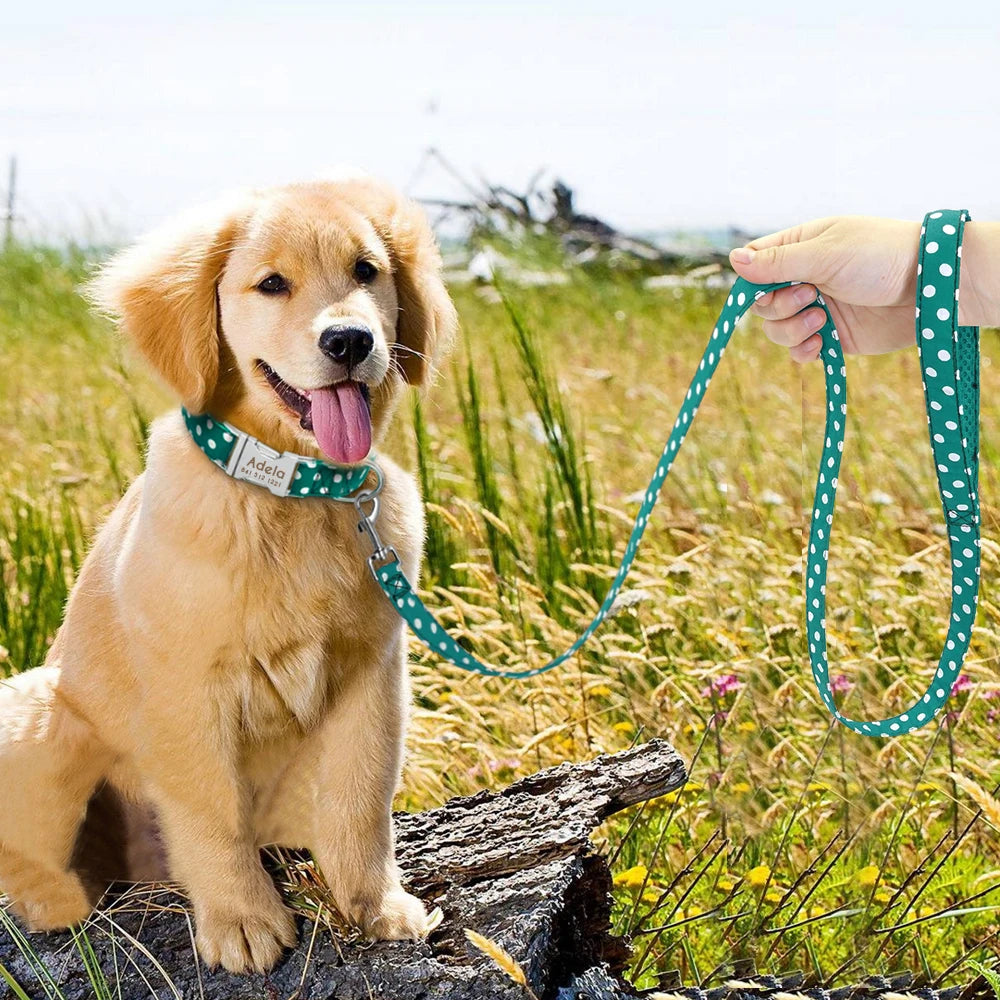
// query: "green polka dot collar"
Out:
[949,364]
[284,473]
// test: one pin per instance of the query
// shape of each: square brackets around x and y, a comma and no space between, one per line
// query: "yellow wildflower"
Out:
[742,787]
[623,727]
[757,877]
[747,727]
[867,876]
[601,691]
[632,878]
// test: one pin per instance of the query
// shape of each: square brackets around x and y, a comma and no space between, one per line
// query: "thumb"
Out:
[778,262]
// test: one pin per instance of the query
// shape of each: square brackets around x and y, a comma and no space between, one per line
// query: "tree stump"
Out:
[516,866]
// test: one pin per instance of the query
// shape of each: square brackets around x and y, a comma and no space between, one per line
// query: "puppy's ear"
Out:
[427,321]
[163,293]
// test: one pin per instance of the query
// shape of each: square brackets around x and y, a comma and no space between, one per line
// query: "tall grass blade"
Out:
[502,551]
[440,551]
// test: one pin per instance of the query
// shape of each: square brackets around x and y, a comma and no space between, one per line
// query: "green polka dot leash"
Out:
[949,360]
[949,363]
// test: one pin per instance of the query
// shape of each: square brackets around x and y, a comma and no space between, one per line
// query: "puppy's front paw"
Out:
[246,941]
[64,904]
[397,916]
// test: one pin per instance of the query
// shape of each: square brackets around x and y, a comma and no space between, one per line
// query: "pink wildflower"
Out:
[841,684]
[721,686]
[962,684]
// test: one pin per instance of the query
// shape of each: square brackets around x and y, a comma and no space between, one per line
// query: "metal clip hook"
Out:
[366,524]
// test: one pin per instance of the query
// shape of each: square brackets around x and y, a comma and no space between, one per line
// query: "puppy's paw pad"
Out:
[399,917]
[246,942]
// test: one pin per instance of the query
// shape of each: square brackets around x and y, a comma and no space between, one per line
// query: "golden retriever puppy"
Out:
[227,662]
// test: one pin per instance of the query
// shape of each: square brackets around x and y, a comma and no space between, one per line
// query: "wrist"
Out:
[979,277]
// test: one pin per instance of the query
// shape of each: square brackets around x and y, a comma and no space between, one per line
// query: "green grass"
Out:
[798,845]
[43,980]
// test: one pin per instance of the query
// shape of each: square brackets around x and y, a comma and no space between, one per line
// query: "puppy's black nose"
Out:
[347,345]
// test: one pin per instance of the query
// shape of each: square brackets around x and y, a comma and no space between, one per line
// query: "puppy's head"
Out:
[295,313]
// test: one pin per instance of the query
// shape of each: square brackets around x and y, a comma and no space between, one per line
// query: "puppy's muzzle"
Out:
[348,346]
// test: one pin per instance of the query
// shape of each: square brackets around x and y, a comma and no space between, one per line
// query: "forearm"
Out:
[979,291]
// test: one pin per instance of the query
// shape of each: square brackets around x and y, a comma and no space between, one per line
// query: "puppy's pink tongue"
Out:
[341,422]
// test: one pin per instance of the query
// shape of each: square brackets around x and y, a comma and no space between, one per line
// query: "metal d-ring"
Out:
[370,494]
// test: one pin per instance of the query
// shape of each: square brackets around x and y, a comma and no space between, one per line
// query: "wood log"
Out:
[516,866]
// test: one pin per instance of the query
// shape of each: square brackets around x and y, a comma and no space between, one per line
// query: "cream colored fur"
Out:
[226,659]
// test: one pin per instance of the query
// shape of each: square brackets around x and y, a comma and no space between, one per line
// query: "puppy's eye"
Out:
[365,272]
[273,284]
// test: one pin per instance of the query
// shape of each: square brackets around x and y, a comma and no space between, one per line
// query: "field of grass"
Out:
[796,844]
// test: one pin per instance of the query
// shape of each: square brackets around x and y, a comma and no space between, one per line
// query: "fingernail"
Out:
[742,255]
[814,319]
[804,295]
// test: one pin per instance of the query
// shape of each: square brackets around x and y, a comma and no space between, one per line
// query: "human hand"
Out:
[866,269]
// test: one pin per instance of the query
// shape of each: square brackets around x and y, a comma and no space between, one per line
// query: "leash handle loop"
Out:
[949,365]
[949,359]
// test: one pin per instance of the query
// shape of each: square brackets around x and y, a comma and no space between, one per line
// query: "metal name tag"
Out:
[266,467]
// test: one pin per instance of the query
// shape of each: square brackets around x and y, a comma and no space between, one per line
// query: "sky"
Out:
[661,115]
